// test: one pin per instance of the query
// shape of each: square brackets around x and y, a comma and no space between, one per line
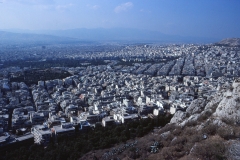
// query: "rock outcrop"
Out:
[221,107]
[178,117]
[197,106]
[234,150]
[229,107]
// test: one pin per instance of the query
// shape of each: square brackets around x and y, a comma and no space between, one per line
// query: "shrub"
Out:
[214,107]
[179,140]
[191,123]
[133,154]
[195,138]
[228,121]
[168,127]
[236,131]
[178,151]
[177,131]
[168,140]
[167,153]
[237,99]
[210,129]
[226,133]
[190,131]
[205,115]
[210,149]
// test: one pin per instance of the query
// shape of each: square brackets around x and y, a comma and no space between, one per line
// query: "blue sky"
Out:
[202,18]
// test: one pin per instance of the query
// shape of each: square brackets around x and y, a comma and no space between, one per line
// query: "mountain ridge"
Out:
[119,34]
[23,38]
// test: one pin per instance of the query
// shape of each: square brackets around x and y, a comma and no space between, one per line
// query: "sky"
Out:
[201,18]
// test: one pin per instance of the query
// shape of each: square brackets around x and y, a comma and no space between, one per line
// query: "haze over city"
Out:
[213,19]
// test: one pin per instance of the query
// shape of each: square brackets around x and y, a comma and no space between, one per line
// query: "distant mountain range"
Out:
[28,38]
[98,34]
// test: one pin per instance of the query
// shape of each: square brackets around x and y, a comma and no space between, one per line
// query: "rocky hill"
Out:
[233,42]
[209,129]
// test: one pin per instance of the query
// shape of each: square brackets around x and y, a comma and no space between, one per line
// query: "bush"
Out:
[210,149]
[168,127]
[178,151]
[190,131]
[191,123]
[168,140]
[228,121]
[167,153]
[226,133]
[204,115]
[179,140]
[236,131]
[195,138]
[177,131]
[210,129]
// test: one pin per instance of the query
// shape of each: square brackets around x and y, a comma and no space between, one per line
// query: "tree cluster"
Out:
[73,147]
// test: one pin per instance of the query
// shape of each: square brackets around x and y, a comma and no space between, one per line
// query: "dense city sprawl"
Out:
[132,82]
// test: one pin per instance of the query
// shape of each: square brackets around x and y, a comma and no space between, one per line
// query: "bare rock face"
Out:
[197,106]
[214,101]
[191,114]
[223,105]
[178,117]
[218,122]
[234,151]
[229,107]
[165,134]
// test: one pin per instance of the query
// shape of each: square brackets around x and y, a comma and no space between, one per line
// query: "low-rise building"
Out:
[64,128]
[42,134]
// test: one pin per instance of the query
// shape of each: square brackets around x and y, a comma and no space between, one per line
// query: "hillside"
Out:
[234,42]
[209,129]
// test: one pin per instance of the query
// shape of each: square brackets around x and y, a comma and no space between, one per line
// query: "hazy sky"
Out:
[206,18]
